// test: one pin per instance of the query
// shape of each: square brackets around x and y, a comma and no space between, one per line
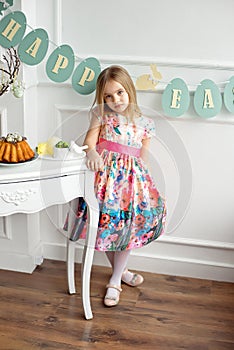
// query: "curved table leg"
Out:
[87,259]
[71,248]
[71,266]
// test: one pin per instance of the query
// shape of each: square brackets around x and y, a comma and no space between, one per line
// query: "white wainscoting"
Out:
[181,257]
[5,228]
[3,121]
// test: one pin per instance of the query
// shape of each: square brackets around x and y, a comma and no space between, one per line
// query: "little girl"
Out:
[132,213]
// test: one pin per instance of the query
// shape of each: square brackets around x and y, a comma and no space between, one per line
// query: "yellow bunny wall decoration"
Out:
[149,81]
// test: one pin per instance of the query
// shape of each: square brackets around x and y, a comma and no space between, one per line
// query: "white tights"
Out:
[118,261]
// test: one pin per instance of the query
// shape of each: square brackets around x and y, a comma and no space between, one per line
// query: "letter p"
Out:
[61,63]
[88,75]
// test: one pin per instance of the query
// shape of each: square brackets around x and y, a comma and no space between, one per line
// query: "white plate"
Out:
[72,156]
[19,163]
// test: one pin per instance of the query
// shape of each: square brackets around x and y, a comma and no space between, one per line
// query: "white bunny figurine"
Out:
[75,148]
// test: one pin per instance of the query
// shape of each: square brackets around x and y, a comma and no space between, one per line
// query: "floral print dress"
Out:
[132,212]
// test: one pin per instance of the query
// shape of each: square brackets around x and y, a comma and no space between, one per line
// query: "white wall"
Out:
[193,157]
[197,30]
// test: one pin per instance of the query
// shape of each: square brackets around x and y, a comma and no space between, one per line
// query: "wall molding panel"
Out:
[170,254]
[161,262]
[58,21]
[3,121]
[5,228]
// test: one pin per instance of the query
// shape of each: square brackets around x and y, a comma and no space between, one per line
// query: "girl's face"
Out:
[116,97]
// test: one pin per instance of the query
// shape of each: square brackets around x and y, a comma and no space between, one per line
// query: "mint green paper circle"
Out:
[28,41]
[199,99]
[20,19]
[61,74]
[182,103]
[228,95]
[89,86]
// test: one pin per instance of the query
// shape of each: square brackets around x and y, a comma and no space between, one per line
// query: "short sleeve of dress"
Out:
[149,128]
[99,118]
[96,114]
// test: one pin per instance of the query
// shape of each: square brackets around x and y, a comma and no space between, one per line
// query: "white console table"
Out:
[39,184]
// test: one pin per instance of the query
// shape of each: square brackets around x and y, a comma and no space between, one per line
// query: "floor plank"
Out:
[166,312]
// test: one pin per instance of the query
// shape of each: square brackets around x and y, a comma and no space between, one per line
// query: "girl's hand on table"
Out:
[94,161]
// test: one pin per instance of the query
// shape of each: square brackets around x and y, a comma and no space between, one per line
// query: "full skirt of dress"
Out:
[132,212]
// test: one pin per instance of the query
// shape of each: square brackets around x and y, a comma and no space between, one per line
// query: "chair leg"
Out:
[87,259]
[88,252]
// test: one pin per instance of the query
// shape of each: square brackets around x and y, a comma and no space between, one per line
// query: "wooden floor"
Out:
[164,313]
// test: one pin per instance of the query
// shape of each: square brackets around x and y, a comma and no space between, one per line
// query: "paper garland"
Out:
[32,50]
[176,98]
[4,4]
[84,78]
[228,95]
[12,29]
[149,81]
[33,47]
[207,98]
[60,64]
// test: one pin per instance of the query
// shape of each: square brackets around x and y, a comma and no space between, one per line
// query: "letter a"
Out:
[208,100]
[32,50]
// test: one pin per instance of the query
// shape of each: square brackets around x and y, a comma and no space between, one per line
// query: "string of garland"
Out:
[60,66]
[154,76]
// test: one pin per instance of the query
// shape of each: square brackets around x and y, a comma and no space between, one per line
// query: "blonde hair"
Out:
[120,75]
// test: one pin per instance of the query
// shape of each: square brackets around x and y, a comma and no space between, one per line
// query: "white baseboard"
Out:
[213,266]
[184,267]
[21,262]
[18,262]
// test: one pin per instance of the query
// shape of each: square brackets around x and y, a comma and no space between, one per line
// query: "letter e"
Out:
[176,96]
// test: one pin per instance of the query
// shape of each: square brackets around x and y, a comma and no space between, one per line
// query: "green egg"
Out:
[228,95]
[207,99]
[176,98]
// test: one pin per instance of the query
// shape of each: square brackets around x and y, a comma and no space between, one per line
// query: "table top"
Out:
[40,169]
